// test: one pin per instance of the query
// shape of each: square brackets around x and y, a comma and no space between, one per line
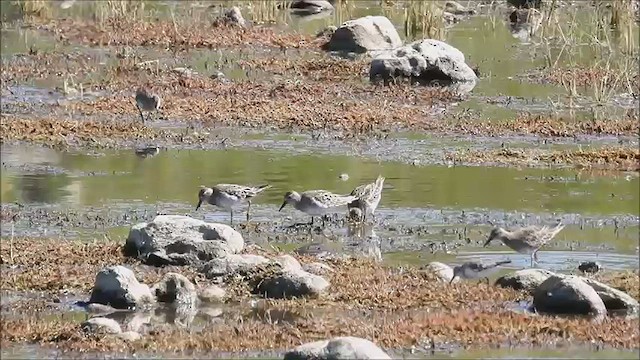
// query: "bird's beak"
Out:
[199,203]
[487,242]
[453,278]
[283,205]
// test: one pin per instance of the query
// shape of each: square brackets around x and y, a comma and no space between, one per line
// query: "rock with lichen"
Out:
[426,61]
[118,287]
[181,240]
[369,33]
[345,347]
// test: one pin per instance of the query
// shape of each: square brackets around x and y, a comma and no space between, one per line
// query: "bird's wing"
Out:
[238,191]
[327,199]
[363,191]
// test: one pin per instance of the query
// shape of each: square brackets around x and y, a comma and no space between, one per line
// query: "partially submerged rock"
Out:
[524,23]
[364,34]
[101,325]
[118,287]
[456,8]
[425,61]
[527,279]
[213,294]
[181,240]
[568,295]
[291,283]
[175,288]
[346,347]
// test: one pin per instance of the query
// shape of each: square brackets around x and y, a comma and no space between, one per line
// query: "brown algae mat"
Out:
[395,307]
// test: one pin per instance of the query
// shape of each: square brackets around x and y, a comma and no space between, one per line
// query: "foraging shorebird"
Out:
[367,197]
[316,202]
[145,101]
[227,196]
[526,240]
[476,270]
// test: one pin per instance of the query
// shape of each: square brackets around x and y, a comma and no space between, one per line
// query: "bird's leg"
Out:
[532,261]
[311,223]
[248,210]
[140,111]
[231,217]
[535,255]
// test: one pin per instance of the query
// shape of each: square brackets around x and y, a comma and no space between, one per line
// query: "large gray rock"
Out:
[175,288]
[181,240]
[233,263]
[118,287]
[347,347]
[568,295]
[288,284]
[444,272]
[527,279]
[101,325]
[615,300]
[424,61]
[364,34]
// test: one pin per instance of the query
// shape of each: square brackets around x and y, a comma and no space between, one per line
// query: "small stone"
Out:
[317,268]
[129,336]
[101,325]
[213,294]
[444,272]
[590,267]
[346,347]
[344,177]
[288,262]
[175,288]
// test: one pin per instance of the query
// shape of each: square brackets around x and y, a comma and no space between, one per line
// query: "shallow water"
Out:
[427,212]
[430,211]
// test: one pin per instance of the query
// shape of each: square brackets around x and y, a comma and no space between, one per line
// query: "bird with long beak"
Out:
[228,196]
[316,202]
[476,270]
[526,240]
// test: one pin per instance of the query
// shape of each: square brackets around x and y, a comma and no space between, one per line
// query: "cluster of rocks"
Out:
[555,293]
[212,249]
[426,61]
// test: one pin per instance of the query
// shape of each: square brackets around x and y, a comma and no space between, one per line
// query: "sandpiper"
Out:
[227,196]
[316,202]
[526,240]
[368,197]
[145,101]
[476,270]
